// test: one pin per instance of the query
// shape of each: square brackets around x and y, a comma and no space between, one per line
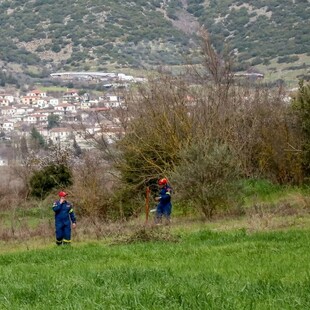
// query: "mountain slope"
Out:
[257,28]
[98,34]
[93,32]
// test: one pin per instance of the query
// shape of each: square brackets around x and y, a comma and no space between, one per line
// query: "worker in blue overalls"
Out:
[164,201]
[64,218]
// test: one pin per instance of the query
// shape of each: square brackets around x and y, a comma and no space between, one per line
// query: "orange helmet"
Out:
[163,181]
[62,194]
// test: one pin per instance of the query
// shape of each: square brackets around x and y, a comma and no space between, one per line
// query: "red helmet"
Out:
[163,181]
[62,194]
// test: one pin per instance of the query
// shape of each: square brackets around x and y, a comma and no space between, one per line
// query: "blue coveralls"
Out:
[164,206]
[64,215]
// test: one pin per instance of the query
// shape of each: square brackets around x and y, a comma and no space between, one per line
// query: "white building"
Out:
[7,98]
[65,108]
[60,135]
[8,111]
[36,93]
[42,103]
[54,101]
[3,162]
[36,119]
[7,125]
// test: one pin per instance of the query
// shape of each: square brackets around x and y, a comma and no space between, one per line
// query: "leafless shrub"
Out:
[254,119]
[96,228]
[160,127]
[11,188]
[92,187]
[216,68]
[268,216]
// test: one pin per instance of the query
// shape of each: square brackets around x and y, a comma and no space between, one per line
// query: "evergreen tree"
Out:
[77,149]
[23,147]
[302,104]
[53,121]
[37,139]
[48,178]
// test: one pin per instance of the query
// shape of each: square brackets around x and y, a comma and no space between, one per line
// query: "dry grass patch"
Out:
[147,234]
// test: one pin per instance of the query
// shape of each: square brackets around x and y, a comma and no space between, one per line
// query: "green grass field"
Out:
[195,268]
[259,259]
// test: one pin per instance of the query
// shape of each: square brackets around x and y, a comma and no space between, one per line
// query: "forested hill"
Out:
[98,34]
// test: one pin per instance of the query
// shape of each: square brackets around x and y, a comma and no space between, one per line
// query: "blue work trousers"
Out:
[163,210]
[63,232]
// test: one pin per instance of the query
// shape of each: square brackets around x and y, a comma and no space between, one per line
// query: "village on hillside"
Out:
[80,116]
[73,116]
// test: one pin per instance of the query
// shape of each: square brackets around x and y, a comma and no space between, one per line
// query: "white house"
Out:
[7,125]
[42,103]
[7,98]
[37,93]
[20,109]
[86,113]
[85,105]
[36,118]
[65,108]
[44,132]
[54,101]
[89,104]
[8,110]
[17,118]
[3,162]
[29,100]
[71,96]
[111,134]
[112,101]
[4,102]
[58,135]
[31,119]
[23,109]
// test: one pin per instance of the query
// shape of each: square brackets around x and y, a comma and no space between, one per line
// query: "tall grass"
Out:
[204,270]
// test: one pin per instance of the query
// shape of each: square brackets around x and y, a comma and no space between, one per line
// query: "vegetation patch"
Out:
[148,234]
[205,270]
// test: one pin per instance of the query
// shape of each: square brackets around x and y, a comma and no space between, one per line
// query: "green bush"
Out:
[287,59]
[45,180]
[301,105]
[205,177]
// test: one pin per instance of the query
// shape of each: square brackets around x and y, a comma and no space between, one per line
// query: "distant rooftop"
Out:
[82,73]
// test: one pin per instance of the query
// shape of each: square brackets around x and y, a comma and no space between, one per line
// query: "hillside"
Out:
[93,34]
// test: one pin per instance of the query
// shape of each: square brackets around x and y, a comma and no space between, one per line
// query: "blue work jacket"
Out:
[165,196]
[64,212]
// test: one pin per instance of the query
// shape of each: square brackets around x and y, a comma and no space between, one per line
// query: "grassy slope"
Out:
[276,71]
[204,270]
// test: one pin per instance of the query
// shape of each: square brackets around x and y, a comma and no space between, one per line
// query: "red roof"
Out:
[35,91]
[99,109]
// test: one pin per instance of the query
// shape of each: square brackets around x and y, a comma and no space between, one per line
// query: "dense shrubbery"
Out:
[301,104]
[50,177]
[203,138]
[206,176]
[249,132]
[287,59]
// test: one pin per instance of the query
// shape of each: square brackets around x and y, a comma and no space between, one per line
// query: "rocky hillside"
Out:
[100,34]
